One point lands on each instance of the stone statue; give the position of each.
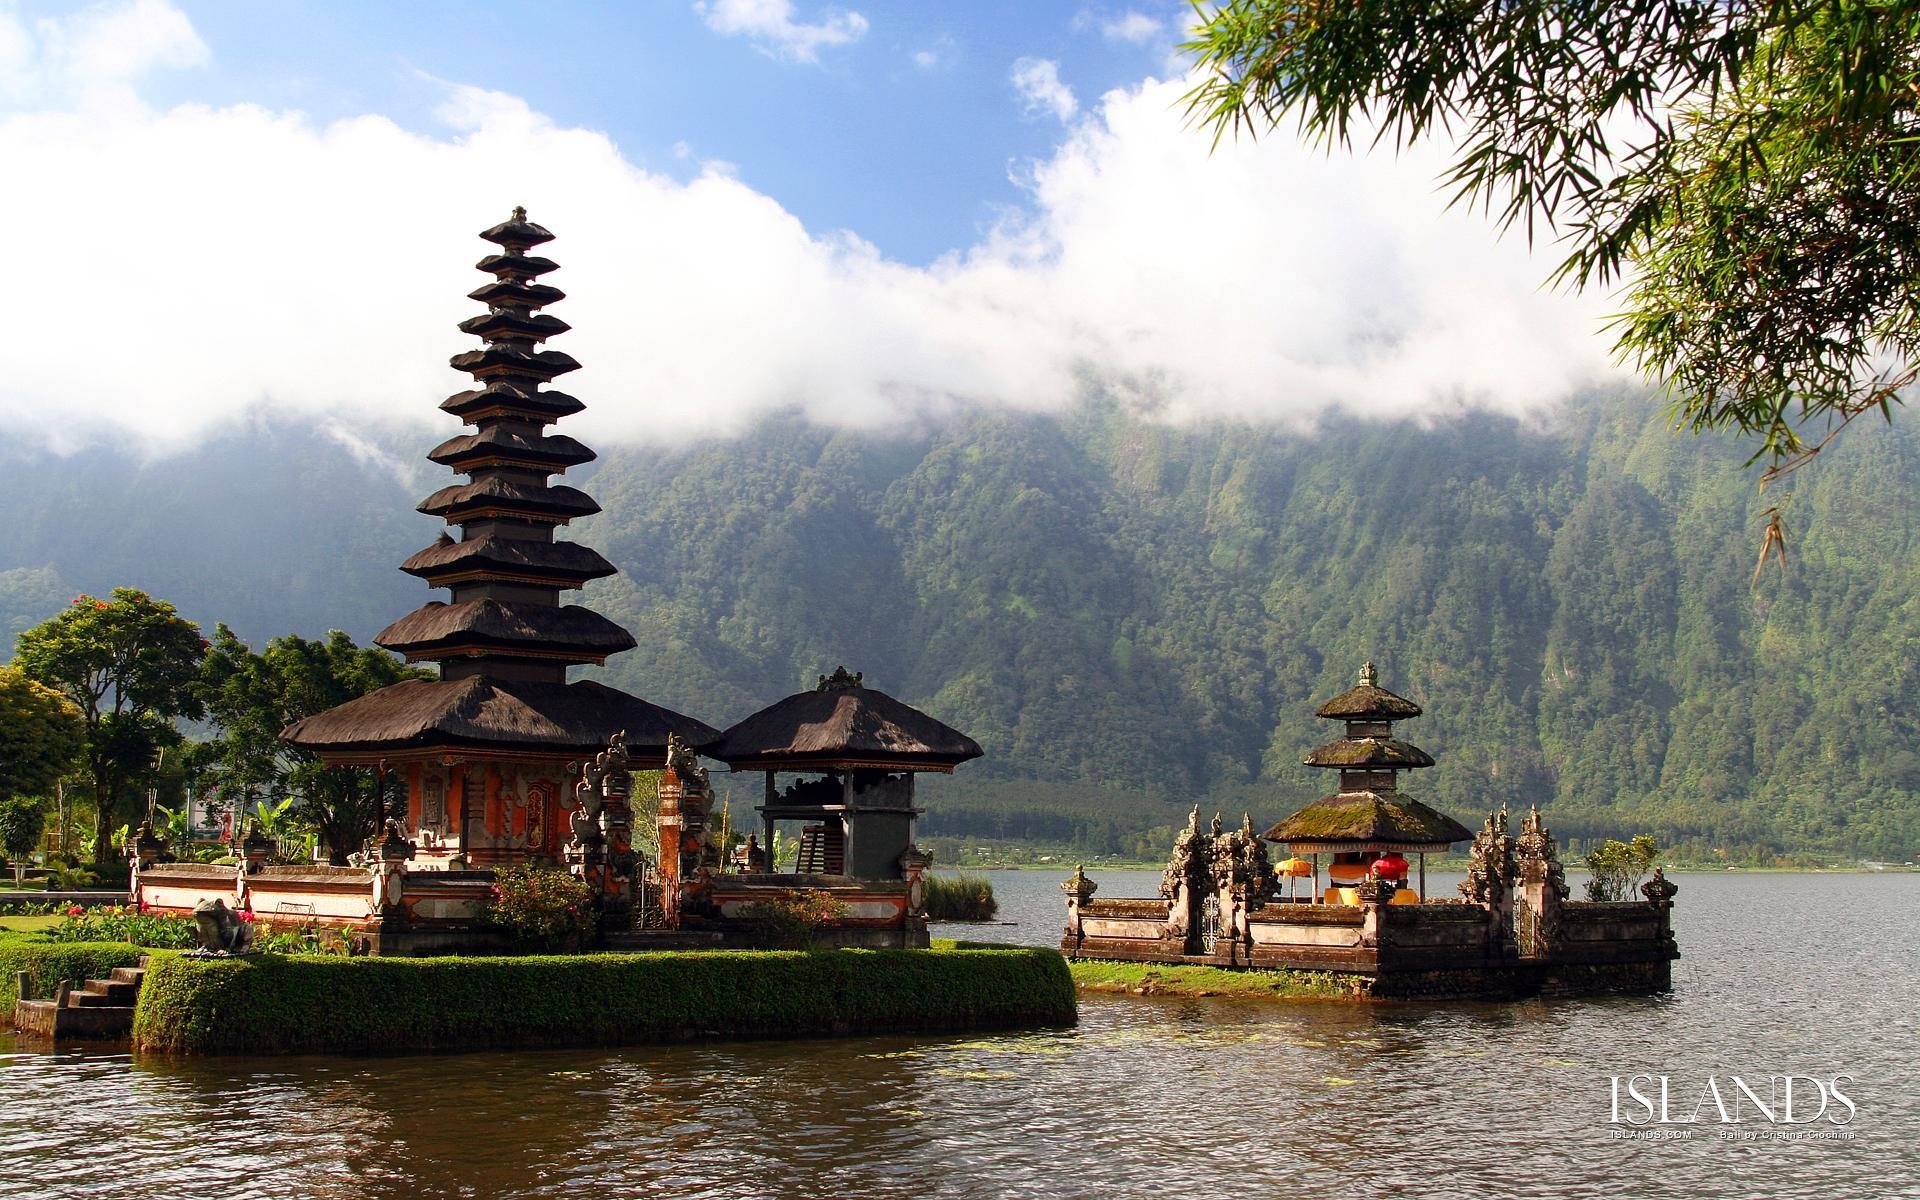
(218, 930)
(683, 762)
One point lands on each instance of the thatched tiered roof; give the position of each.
(841, 724)
(1353, 821)
(1369, 812)
(543, 719)
(506, 641)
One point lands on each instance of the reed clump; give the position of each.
(960, 898)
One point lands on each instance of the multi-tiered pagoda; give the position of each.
(1368, 824)
(485, 749)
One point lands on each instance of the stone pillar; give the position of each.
(1542, 885)
(671, 833)
(1079, 890)
(389, 872)
(913, 868)
(616, 834)
(1491, 875)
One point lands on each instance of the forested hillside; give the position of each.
(1132, 617)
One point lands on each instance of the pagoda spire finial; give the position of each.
(1367, 675)
(519, 212)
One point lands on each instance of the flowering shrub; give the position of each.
(310, 938)
(792, 920)
(542, 909)
(124, 923)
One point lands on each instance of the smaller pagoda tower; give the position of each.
(1369, 816)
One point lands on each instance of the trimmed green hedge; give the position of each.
(47, 963)
(272, 1004)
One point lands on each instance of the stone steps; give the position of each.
(99, 1009)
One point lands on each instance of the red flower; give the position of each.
(247, 916)
(75, 910)
(99, 603)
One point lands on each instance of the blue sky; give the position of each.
(909, 134)
(872, 213)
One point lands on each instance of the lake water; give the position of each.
(1812, 975)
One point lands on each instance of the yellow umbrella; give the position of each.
(1292, 869)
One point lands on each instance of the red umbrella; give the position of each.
(1390, 866)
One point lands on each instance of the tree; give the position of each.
(21, 820)
(252, 697)
(128, 665)
(1746, 170)
(1618, 867)
(41, 733)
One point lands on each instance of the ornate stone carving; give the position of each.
(1491, 869)
(840, 680)
(1539, 856)
(1189, 864)
(1078, 887)
(1658, 890)
(1239, 863)
(1377, 889)
(682, 761)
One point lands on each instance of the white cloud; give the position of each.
(1038, 82)
(1131, 26)
(771, 25)
(942, 53)
(94, 55)
(191, 267)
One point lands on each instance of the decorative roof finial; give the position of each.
(840, 680)
(1367, 676)
(519, 212)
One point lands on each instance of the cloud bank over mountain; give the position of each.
(181, 267)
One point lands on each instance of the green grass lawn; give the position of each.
(1168, 979)
(30, 924)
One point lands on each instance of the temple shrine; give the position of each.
(1368, 826)
(503, 762)
(856, 752)
(1513, 931)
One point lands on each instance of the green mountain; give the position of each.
(1132, 617)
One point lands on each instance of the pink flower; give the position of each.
(247, 916)
(75, 910)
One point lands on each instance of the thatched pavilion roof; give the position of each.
(841, 724)
(1358, 753)
(1353, 821)
(493, 715)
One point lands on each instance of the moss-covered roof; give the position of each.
(1369, 752)
(1368, 702)
(1383, 819)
